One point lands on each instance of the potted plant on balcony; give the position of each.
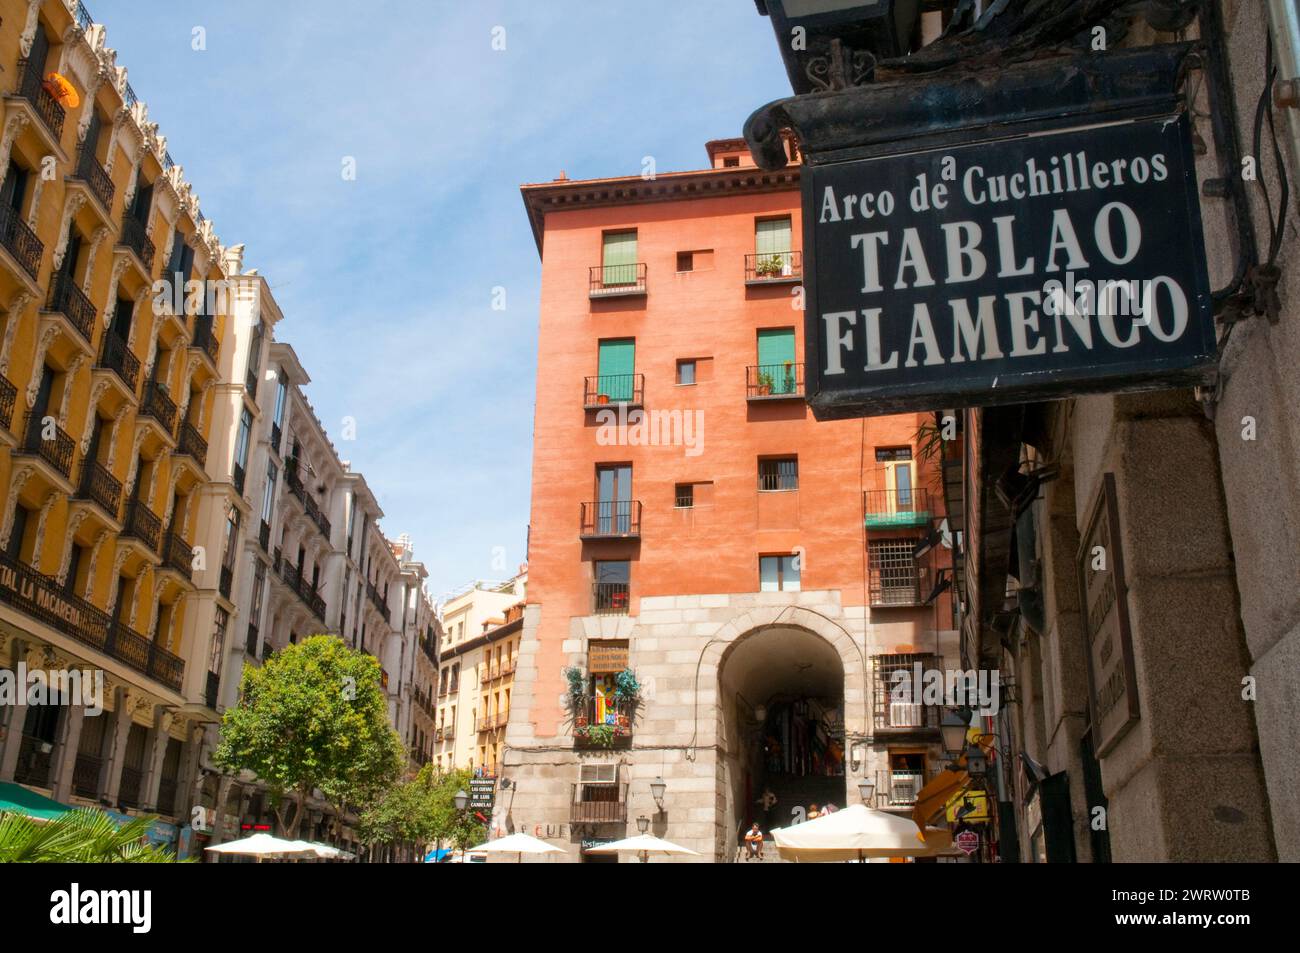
(577, 696)
(764, 384)
(770, 267)
(789, 378)
(602, 398)
(627, 691)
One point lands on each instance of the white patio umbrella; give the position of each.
(643, 844)
(264, 845)
(324, 851)
(516, 844)
(854, 833)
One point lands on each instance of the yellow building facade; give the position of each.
(106, 392)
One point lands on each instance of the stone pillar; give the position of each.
(14, 726)
(155, 751)
(65, 762)
(1185, 782)
(113, 764)
(219, 810)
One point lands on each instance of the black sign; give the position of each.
(1029, 267)
(482, 793)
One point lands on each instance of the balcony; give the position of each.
(42, 598)
(898, 698)
(888, 509)
(226, 581)
(117, 357)
(604, 725)
(301, 494)
(598, 804)
(34, 759)
(610, 598)
(8, 398)
(769, 268)
(97, 180)
(20, 241)
(617, 389)
(774, 381)
(237, 479)
(69, 300)
(178, 555)
(610, 519)
(612, 281)
(898, 788)
(205, 339)
(156, 403)
(56, 450)
(134, 238)
(250, 641)
(143, 524)
(193, 445)
(31, 87)
(100, 487)
(302, 587)
(378, 602)
(264, 537)
(894, 577)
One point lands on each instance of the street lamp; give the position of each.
(657, 788)
(461, 799)
(867, 789)
(977, 762)
(953, 728)
(643, 824)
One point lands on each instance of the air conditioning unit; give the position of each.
(904, 715)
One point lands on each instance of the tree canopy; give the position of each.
(313, 716)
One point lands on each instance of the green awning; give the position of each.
(18, 800)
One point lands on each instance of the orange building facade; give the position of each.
(695, 529)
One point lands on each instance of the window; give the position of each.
(731, 162)
(254, 359)
(772, 236)
(894, 578)
(219, 620)
(232, 532)
(614, 509)
(618, 258)
(778, 473)
(776, 370)
(898, 475)
(684, 496)
(259, 589)
(896, 695)
(778, 573)
(611, 581)
(616, 369)
(241, 449)
(906, 777)
(278, 422)
(685, 261)
(686, 372)
(17, 533)
(268, 498)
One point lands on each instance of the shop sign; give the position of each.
(607, 657)
(1030, 266)
(1112, 675)
(482, 793)
(967, 841)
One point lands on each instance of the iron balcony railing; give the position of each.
(178, 555)
(8, 398)
(34, 758)
(92, 173)
(143, 524)
(20, 241)
(47, 440)
(264, 537)
(31, 87)
(156, 403)
(610, 519)
(191, 442)
(611, 718)
(895, 577)
(765, 267)
(612, 280)
(237, 478)
(226, 581)
(117, 357)
(100, 486)
(308, 501)
(250, 641)
(610, 598)
(309, 594)
(42, 598)
(608, 389)
(773, 381)
(898, 699)
(598, 804)
(205, 339)
(898, 788)
(275, 437)
(70, 301)
(886, 509)
(84, 19)
(378, 601)
(136, 238)
(85, 775)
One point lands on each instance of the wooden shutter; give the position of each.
(616, 367)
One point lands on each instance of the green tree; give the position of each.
(313, 716)
(82, 836)
(403, 814)
(453, 828)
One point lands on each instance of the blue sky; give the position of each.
(386, 281)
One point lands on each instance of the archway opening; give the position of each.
(781, 696)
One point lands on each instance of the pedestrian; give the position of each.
(829, 809)
(814, 813)
(754, 843)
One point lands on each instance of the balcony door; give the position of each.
(776, 359)
(618, 259)
(772, 242)
(899, 479)
(614, 500)
(617, 368)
